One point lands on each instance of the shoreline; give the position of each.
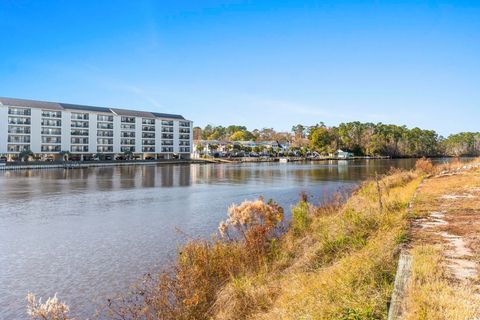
(91, 164)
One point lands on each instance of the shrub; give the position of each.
(424, 165)
(52, 309)
(300, 217)
(190, 288)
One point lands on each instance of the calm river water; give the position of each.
(87, 234)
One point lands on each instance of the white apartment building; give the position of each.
(49, 128)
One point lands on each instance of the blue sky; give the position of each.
(256, 63)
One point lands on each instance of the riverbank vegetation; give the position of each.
(336, 261)
(362, 139)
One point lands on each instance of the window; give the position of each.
(80, 116)
(18, 120)
(167, 142)
(47, 139)
(20, 130)
(53, 131)
(19, 139)
(79, 148)
(148, 149)
(105, 118)
(51, 148)
(148, 128)
(167, 136)
(104, 141)
(148, 121)
(124, 134)
(79, 124)
(128, 119)
(148, 142)
(51, 123)
(104, 149)
(19, 111)
(79, 132)
(167, 123)
(127, 149)
(18, 147)
(148, 135)
(102, 133)
(103, 125)
(127, 126)
(51, 114)
(76, 140)
(127, 141)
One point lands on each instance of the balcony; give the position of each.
(128, 120)
(108, 126)
(51, 140)
(148, 142)
(104, 141)
(184, 137)
(148, 149)
(104, 118)
(148, 135)
(127, 141)
(104, 133)
(79, 140)
(80, 116)
(18, 147)
(148, 121)
(51, 148)
(19, 130)
(124, 134)
(51, 131)
(52, 114)
(19, 112)
(80, 149)
(23, 121)
(127, 149)
(51, 123)
(79, 133)
(148, 128)
(19, 139)
(79, 124)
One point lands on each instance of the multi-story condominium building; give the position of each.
(49, 128)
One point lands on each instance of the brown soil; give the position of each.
(448, 214)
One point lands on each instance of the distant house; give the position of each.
(343, 154)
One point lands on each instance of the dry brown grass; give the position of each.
(424, 165)
(432, 295)
(441, 286)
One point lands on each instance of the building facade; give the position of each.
(49, 129)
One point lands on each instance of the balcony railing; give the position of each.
(19, 112)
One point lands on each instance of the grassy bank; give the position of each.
(333, 261)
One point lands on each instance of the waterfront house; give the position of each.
(343, 154)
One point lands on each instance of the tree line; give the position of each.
(363, 139)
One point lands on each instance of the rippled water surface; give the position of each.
(86, 234)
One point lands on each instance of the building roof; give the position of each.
(67, 106)
(30, 103)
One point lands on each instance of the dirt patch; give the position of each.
(448, 207)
